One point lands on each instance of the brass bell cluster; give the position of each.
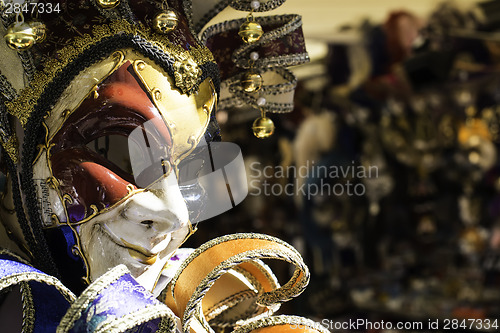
(108, 4)
(163, 23)
(166, 21)
(21, 36)
(263, 127)
(251, 31)
(252, 81)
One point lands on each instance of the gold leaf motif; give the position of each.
(52, 182)
(187, 72)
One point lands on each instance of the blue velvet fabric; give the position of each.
(70, 241)
(50, 305)
(124, 296)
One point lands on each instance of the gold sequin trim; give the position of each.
(88, 295)
(229, 302)
(223, 239)
(271, 300)
(15, 256)
(254, 309)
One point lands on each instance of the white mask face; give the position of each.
(141, 232)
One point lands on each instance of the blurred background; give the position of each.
(386, 175)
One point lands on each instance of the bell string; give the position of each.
(19, 18)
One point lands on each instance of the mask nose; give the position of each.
(161, 206)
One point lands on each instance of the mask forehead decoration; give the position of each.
(103, 118)
(183, 65)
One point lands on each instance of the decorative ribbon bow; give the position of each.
(221, 284)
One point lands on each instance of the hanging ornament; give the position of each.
(40, 31)
(254, 56)
(108, 4)
(251, 81)
(255, 4)
(261, 101)
(250, 31)
(263, 127)
(20, 36)
(165, 21)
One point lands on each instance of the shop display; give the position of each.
(416, 100)
(107, 127)
(382, 172)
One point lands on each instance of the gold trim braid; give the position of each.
(214, 259)
(28, 308)
(283, 324)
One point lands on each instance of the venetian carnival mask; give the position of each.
(112, 152)
(109, 168)
(107, 125)
(107, 173)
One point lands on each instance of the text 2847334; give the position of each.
(11, 7)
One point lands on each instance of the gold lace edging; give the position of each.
(140, 317)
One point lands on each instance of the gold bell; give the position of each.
(40, 31)
(108, 4)
(263, 127)
(20, 36)
(165, 22)
(251, 82)
(250, 31)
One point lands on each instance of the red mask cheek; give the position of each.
(85, 177)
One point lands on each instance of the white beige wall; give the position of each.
(322, 17)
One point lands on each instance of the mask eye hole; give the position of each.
(114, 149)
